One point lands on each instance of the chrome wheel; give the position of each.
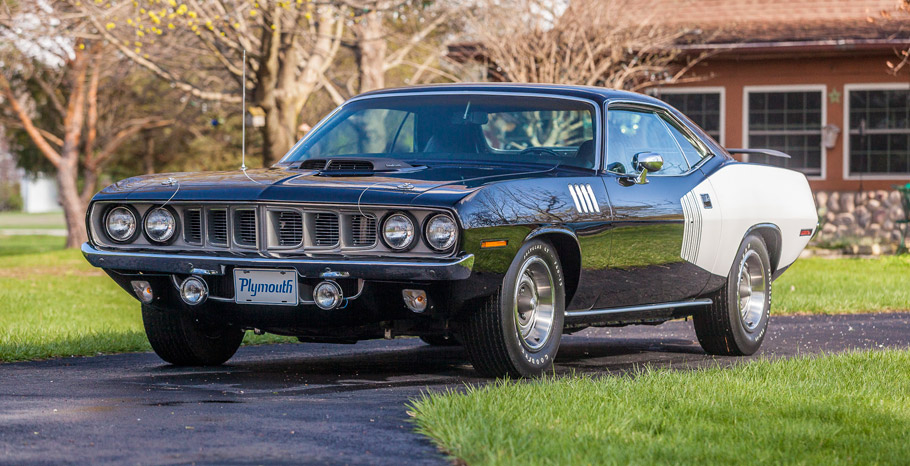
(534, 303)
(750, 290)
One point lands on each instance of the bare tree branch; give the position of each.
(37, 136)
(161, 72)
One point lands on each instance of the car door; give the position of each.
(648, 263)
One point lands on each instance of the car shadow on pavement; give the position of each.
(293, 370)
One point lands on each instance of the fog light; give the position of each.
(415, 300)
(193, 291)
(327, 295)
(143, 291)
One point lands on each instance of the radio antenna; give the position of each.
(243, 123)
(243, 117)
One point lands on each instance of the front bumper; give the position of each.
(380, 269)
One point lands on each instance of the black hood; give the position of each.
(283, 184)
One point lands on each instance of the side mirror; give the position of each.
(648, 161)
(645, 162)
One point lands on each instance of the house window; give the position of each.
(879, 131)
(703, 108)
(788, 121)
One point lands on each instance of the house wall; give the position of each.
(833, 71)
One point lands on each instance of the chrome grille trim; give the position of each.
(289, 228)
(217, 227)
(325, 228)
(245, 228)
(363, 230)
(192, 226)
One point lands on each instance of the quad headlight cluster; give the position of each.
(122, 224)
(400, 232)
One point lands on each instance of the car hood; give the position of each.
(423, 185)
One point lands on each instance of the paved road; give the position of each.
(312, 403)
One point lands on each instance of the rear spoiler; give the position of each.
(771, 152)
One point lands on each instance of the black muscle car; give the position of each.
(498, 217)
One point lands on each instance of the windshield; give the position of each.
(481, 128)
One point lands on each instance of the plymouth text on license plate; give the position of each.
(257, 286)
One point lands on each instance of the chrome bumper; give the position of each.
(426, 270)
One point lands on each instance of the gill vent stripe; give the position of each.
(584, 198)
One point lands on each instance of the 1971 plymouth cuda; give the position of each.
(498, 217)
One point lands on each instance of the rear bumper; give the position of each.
(380, 269)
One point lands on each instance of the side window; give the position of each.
(691, 148)
(631, 132)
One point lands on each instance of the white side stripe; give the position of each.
(575, 198)
(593, 197)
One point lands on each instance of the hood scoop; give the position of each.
(355, 166)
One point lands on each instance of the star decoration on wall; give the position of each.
(834, 96)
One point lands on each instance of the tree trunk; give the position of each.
(277, 134)
(148, 159)
(371, 51)
(73, 209)
(89, 184)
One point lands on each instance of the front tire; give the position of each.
(737, 321)
(181, 340)
(516, 332)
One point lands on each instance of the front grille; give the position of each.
(350, 165)
(278, 229)
(363, 230)
(289, 228)
(192, 231)
(245, 227)
(325, 231)
(218, 228)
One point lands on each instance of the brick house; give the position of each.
(809, 78)
(806, 77)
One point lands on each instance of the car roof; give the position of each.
(597, 94)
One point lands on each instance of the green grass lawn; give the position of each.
(31, 244)
(832, 286)
(52, 303)
(851, 408)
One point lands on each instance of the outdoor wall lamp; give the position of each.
(829, 135)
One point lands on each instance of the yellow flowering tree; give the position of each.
(198, 47)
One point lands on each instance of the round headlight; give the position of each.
(441, 232)
(160, 225)
(120, 224)
(398, 231)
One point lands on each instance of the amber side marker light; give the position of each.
(805, 232)
(500, 243)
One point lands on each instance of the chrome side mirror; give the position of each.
(645, 162)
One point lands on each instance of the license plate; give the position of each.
(258, 286)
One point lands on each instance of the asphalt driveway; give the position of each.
(317, 404)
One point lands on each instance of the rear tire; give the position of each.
(181, 340)
(737, 321)
(516, 332)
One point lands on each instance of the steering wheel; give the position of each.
(539, 150)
